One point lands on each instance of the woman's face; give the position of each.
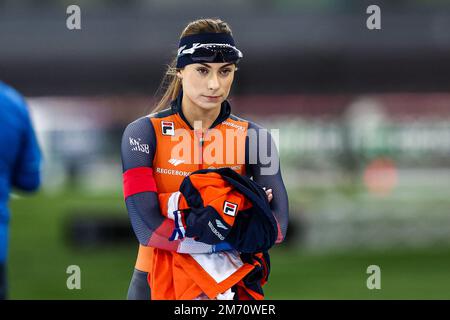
(207, 85)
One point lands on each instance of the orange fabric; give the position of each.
(246, 293)
(185, 145)
(144, 258)
(178, 276)
(203, 280)
(189, 281)
(163, 199)
(215, 191)
(266, 271)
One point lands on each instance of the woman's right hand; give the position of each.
(268, 193)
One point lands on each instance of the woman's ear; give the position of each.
(179, 75)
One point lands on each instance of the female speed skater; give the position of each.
(189, 257)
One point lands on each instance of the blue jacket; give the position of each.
(20, 156)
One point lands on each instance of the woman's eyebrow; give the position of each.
(229, 64)
(208, 66)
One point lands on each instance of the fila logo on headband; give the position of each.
(230, 208)
(168, 128)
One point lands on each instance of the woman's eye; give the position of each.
(225, 72)
(202, 70)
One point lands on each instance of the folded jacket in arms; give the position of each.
(215, 205)
(227, 210)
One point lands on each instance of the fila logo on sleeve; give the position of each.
(168, 128)
(230, 208)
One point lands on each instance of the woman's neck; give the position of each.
(194, 113)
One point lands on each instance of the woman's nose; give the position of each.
(213, 82)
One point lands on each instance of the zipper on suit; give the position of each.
(201, 150)
(200, 137)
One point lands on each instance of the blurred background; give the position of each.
(364, 137)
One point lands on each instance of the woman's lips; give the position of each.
(212, 98)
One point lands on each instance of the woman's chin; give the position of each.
(208, 105)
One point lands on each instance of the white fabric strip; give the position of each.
(189, 245)
(172, 204)
(227, 295)
(219, 265)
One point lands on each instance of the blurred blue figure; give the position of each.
(20, 159)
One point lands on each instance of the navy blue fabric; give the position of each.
(143, 208)
(255, 229)
(139, 288)
(274, 181)
(188, 42)
(3, 283)
(253, 279)
(202, 225)
(206, 37)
